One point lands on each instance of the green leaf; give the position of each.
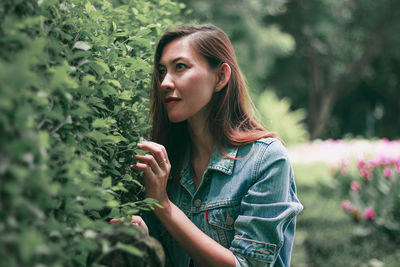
(115, 83)
(89, 8)
(133, 211)
(100, 123)
(130, 249)
(87, 79)
(120, 34)
(112, 203)
(125, 95)
(107, 182)
(82, 46)
(94, 204)
(100, 67)
(43, 139)
(115, 213)
(119, 187)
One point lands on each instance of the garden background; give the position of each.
(74, 95)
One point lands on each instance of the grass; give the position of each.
(326, 236)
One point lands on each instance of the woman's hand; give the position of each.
(135, 221)
(156, 168)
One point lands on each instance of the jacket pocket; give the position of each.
(221, 222)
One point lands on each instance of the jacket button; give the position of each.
(229, 220)
(197, 203)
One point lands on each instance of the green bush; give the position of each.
(278, 118)
(75, 79)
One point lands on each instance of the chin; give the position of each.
(175, 119)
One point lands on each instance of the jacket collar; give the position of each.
(223, 159)
(218, 162)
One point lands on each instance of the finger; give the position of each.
(145, 168)
(116, 220)
(138, 221)
(158, 150)
(150, 160)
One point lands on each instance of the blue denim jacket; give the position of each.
(247, 204)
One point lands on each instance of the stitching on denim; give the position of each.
(267, 140)
(263, 251)
(223, 203)
(221, 226)
(247, 256)
(259, 242)
(255, 241)
(257, 165)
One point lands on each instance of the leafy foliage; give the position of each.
(256, 44)
(278, 117)
(74, 103)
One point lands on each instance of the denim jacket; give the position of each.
(246, 202)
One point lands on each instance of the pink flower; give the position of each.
(361, 164)
(365, 173)
(363, 169)
(387, 172)
(355, 186)
(373, 163)
(346, 205)
(369, 213)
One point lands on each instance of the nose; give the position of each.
(167, 83)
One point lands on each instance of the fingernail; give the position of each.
(133, 166)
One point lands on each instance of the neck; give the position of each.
(201, 139)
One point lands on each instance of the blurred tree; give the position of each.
(257, 44)
(343, 69)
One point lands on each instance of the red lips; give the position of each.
(170, 101)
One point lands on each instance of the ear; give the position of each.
(223, 76)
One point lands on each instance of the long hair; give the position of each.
(231, 118)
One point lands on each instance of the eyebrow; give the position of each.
(175, 60)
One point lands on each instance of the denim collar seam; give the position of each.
(223, 164)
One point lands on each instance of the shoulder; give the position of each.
(261, 149)
(269, 156)
(269, 147)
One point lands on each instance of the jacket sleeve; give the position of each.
(264, 229)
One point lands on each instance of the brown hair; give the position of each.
(231, 116)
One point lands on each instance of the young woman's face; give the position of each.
(187, 81)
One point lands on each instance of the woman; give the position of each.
(225, 182)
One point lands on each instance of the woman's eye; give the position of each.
(180, 66)
(161, 73)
